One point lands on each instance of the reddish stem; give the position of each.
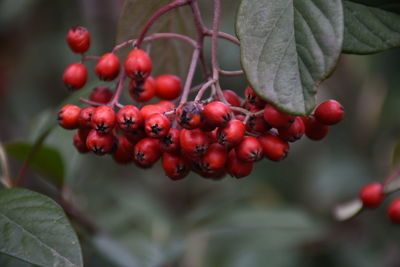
(120, 86)
(189, 78)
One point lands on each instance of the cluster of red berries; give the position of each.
(373, 194)
(224, 134)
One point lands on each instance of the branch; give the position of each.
(223, 35)
(189, 77)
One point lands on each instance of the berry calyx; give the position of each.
(231, 134)
(107, 67)
(372, 195)
(249, 150)
(142, 90)
(193, 142)
(85, 117)
(294, 132)
(129, 118)
(214, 159)
(68, 117)
(138, 65)
(104, 119)
(252, 98)
(170, 142)
(157, 125)
(168, 86)
(236, 167)
(100, 144)
(329, 112)
(175, 166)
(147, 152)
(78, 39)
(189, 115)
(75, 76)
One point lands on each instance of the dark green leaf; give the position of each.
(47, 161)
(35, 229)
(370, 28)
(288, 47)
(389, 5)
(170, 56)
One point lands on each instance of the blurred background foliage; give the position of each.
(278, 216)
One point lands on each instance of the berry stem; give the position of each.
(115, 99)
(203, 89)
(88, 58)
(231, 73)
(223, 35)
(190, 75)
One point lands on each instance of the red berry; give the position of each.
(257, 125)
(217, 113)
(274, 148)
(157, 125)
(166, 105)
(175, 166)
(138, 65)
(100, 144)
(314, 129)
(189, 115)
(135, 135)
(85, 117)
(129, 118)
(107, 67)
(214, 159)
(294, 132)
(75, 76)
(237, 168)
(104, 119)
(143, 90)
(249, 150)
(80, 143)
(170, 142)
(276, 118)
(101, 94)
(147, 152)
(372, 195)
(194, 143)
(252, 98)
(149, 110)
(78, 39)
(231, 134)
(329, 112)
(68, 117)
(232, 98)
(124, 152)
(393, 211)
(168, 86)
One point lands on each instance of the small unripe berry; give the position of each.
(393, 211)
(189, 115)
(100, 144)
(75, 76)
(329, 112)
(101, 94)
(143, 90)
(168, 86)
(104, 119)
(372, 195)
(68, 117)
(249, 150)
(129, 118)
(147, 152)
(138, 65)
(78, 39)
(175, 166)
(274, 148)
(157, 126)
(277, 118)
(107, 67)
(236, 167)
(217, 113)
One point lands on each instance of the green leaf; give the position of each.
(288, 47)
(170, 56)
(35, 229)
(47, 160)
(371, 26)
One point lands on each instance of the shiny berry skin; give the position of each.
(274, 148)
(149, 110)
(217, 113)
(85, 117)
(107, 67)
(189, 115)
(170, 142)
(101, 94)
(214, 159)
(138, 65)
(372, 195)
(231, 134)
(142, 91)
(129, 118)
(100, 144)
(124, 152)
(194, 143)
(68, 117)
(276, 118)
(175, 166)
(166, 105)
(393, 211)
(104, 119)
(329, 112)
(75, 76)
(157, 125)
(252, 98)
(79, 142)
(249, 150)
(314, 129)
(236, 167)
(294, 132)
(232, 98)
(78, 39)
(168, 86)
(147, 152)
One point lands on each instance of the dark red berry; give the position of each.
(78, 39)
(236, 167)
(147, 152)
(157, 125)
(329, 112)
(135, 135)
(142, 90)
(231, 134)
(274, 148)
(101, 94)
(314, 129)
(80, 143)
(393, 211)
(138, 65)
(194, 143)
(217, 113)
(104, 119)
(232, 98)
(372, 195)
(170, 142)
(214, 159)
(168, 86)
(149, 110)
(175, 166)
(129, 118)
(124, 152)
(85, 117)
(68, 117)
(189, 115)
(276, 118)
(252, 98)
(75, 76)
(107, 67)
(100, 144)
(294, 132)
(249, 150)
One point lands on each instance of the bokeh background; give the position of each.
(278, 216)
